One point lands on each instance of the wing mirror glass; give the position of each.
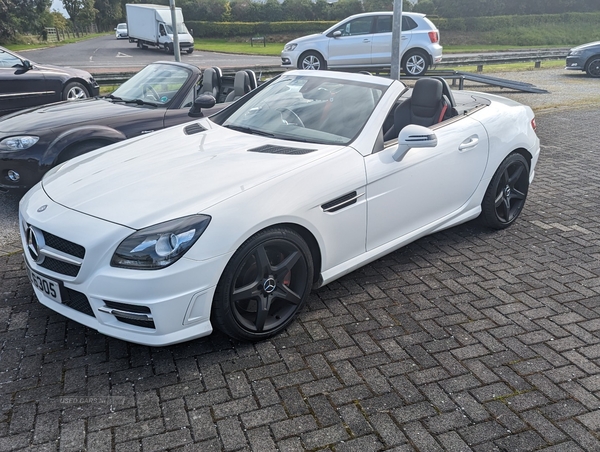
(202, 101)
(414, 136)
(26, 64)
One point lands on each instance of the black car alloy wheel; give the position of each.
(507, 192)
(264, 285)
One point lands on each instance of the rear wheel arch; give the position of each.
(416, 52)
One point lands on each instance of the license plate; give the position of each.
(49, 287)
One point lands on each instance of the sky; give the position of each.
(58, 6)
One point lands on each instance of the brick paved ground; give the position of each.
(465, 340)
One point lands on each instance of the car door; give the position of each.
(20, 87)
(382, 38)
(427, 185)
(353, 47)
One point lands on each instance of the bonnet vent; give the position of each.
(193, 128)
(272, 149)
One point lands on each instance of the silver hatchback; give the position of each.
(364, 41)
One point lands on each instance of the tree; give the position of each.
(81, 12)
(110, 13)
(297, 10)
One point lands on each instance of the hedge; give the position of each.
(504, 22)
(203, 29)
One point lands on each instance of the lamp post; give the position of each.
(396, 40)
(175, 32)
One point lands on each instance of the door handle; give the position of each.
(469, 143)
(366, 40)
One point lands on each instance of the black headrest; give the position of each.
(241, 82)
(427, 92)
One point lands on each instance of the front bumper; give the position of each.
(575, 63)
(21, 170)
(149, 307)
(290, 58)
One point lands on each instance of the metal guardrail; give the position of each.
(449, 60)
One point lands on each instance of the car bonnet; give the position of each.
(169, 174)
(64, 115)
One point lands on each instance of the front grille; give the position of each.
(61, 267)
(78, 301)
(54, 253)
(64, 245)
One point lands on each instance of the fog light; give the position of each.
(13, 175)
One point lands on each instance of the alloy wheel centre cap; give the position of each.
(269, 285)
(507, 192)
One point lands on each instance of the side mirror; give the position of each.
(26, 64)
(115, 29)
(202, 101)
(414, 136)
(337, 34)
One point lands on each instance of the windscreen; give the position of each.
(308, 109)
(157, 83)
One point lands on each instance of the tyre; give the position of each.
(415, 62)
(264, 285)
(169, 48)
(593, 67)
(191, 50)
(505, 196)
(312, 61)
(80, 149)
(75, 91)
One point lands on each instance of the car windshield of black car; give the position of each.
(156, 84)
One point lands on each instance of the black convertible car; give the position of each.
(161, 95)
(26, 84)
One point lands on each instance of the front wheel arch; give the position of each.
(80, 148)
(315, 53)
(595, 61)
(264, 285)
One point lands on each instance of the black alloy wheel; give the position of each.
(264, 285)
(593, 67)
(507, 192)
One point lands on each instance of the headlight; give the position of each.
(290, 47)
(574, 52)
(160, 245)
(18, 143)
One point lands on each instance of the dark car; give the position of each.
(163, 94)
(24, 83)
(586, 58)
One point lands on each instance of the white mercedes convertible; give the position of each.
(229, 221)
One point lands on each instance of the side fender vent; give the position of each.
(193, 128)
(341, 202)
(272, 149)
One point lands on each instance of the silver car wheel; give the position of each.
(311, 62)
(75, 91)
(415, 64)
